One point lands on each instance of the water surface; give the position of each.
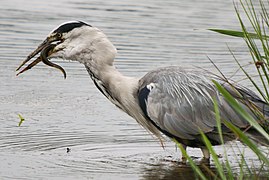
(105, 143)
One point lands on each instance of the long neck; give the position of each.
(119, 89)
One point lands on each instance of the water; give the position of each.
(105, 143)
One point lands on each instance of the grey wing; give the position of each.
(180, 103)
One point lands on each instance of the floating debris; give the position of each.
(21, 119)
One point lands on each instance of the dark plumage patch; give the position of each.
(143, 97)
(70, 26)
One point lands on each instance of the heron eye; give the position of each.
(59, 35)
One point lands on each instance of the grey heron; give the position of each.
(171, 100)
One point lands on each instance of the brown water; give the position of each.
(105, 143)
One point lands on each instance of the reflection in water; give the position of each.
(59, 114)
(175, 171)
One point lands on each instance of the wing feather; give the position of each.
(181, 102)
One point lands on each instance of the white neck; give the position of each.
(97, 53)
(121, 91)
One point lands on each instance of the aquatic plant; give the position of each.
(258, 45)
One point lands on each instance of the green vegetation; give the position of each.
(21, 120)
(257, 42)
(258, 45)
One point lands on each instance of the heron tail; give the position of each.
(254, 135)
(258, 138)
(263, 107)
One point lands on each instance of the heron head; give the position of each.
(73, 40)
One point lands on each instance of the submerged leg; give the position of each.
(183, 158)
(206, 157)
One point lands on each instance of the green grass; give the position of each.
(256, 40)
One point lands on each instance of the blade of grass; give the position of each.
(218, 119)
(214, 156)
(240, 110)
(258, 29)
(234, 33)
(217, 114)
(241, 165)
(251, 79)
(228, 168)
(254, 50)
(244, 162)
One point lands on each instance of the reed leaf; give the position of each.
(218, 165)
(236, 33)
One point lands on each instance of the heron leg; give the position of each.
(206, 153)
(183, 158)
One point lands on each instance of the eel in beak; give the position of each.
(46, 48)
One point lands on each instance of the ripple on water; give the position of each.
(105, 143)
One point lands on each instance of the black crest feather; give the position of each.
(70, 26)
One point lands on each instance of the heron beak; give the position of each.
(46, 48)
